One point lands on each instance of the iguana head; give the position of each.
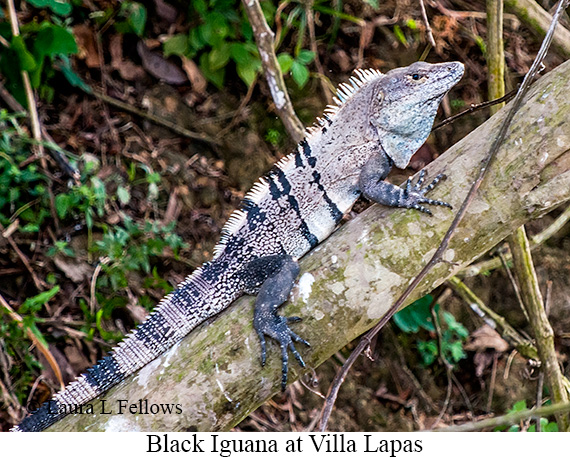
(405, 105)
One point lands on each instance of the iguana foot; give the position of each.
(277, 276)
(276, 327)
(411, 196)
(414, 196)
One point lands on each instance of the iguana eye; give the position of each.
(416, 77)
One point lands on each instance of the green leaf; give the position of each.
(456, 327)
(240, 54)
(518, 406)
(300, 74)
(372, 3)
(34, 304)
(73, 78)
(411, 24)
(219, 56)
(550, 427)
(215, 77)
(305, 56)
(247, 73)
(59, 7)
(215, 28)
(136, 16)
(456, 350)
(26, 59)
(53, 40)
(176, 45)
(123, 195)
(416, 316)
(36, 331)
(200, 6)
(63, 204)
(285, 62)
(428, 350)
(400, 35)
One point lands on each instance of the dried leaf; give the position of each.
(87, 46)
(159, 67)
(486, 338)
(74, 269)
(195, 76)
(127, 69)
(166, 11)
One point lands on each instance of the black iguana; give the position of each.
(379, 120)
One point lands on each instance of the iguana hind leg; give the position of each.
(279, 273)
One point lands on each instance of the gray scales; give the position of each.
(379, 120)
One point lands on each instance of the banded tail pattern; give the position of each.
(176, 315)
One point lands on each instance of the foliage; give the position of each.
(131, 247)
(545, 424)
(418, 316)
(127, 247)
(37, 50)
(297, 66)
(224, 35)
(132, 18)
(220, 36)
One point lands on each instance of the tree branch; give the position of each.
(264, 37)
(538, 20)
(350, 281)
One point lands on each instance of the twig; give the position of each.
(437, 256)
(313, 42)
(154, 118)
(39, 344)
(32, 107)
(509, 419)
(428, 27)
(476, 107)
(495, 52)
(264, 37)
(538, 320)
(492, 382)
(539, 387)
(93, 287)
(536, 240)
(491, 318)
(512, 281)
(40, 285)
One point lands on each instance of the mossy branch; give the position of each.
(349, 281)
(538, 20)
(538, 320)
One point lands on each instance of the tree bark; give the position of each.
(348, 282)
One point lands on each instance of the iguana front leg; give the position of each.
(372, 185)
(272, 278)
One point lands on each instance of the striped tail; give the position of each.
(194, 301)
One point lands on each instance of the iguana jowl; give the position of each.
(380, 120)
